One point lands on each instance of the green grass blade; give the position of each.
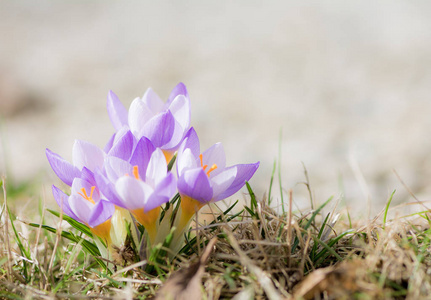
(172, 161)
(328, 249)
(322, 228)
(279, 174)
(387, 208)
(75, 224)
(24, 252)
(271, 182)
(310, 221)
(190, 243)
(253, 201)
(323, 253)
(92, 248)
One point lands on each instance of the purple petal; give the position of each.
(195, 184)
(223, 180)
(116, 110)
(63, 169)
(244, 173)
(168, 186)
(123, 147)
(102, 211)
(141, 155)
(63, 201)
(109, 144)
(116, 167)
(79, 184)
(191, 141)
(177, 137)
(87, 155)
(154, 201)
(87, 175)
(159, 129)
(81, 208)
(179, 89)
(107, 188)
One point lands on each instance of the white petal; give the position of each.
(223, 180)
(214, 155)
(180, 109)
(186, 161)
(80, 207)
(177, 137)
(134, 193)
(139, 114)
(87, 155)
(157, 168)
(116, 167)
(153, 101)
(78, 184)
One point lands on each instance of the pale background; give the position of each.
(349, 83)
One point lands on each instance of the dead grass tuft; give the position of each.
(259, 255)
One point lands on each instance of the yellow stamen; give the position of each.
(202, 164)
(85, 196)
(213, 167)
(136, 172)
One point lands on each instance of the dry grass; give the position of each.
(259, 255)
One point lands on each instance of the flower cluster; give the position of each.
(130, 180)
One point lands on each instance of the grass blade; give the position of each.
(310, 221)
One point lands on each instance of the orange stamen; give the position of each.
(202, 164)
(85, 196)
(213, 167)
(136, 172)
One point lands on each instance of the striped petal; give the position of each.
(62, 168)
(116, 111)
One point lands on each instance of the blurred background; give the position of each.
(347, 84)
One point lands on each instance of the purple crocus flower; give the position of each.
(85, 154)
(85, 204)
(140, 185)
(204, 178)
(164, 124)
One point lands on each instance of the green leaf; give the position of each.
(322, 228)
(271, 182)
(88, 246)
(190, 243)
(172, 161)
(310, 221)
(321, 255)
(75, 224)
(387, 208)
(253, 202)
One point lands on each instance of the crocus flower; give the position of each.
(140, 185)
(86, 205)
(204, 178)
(164, 124)
(85, 154)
